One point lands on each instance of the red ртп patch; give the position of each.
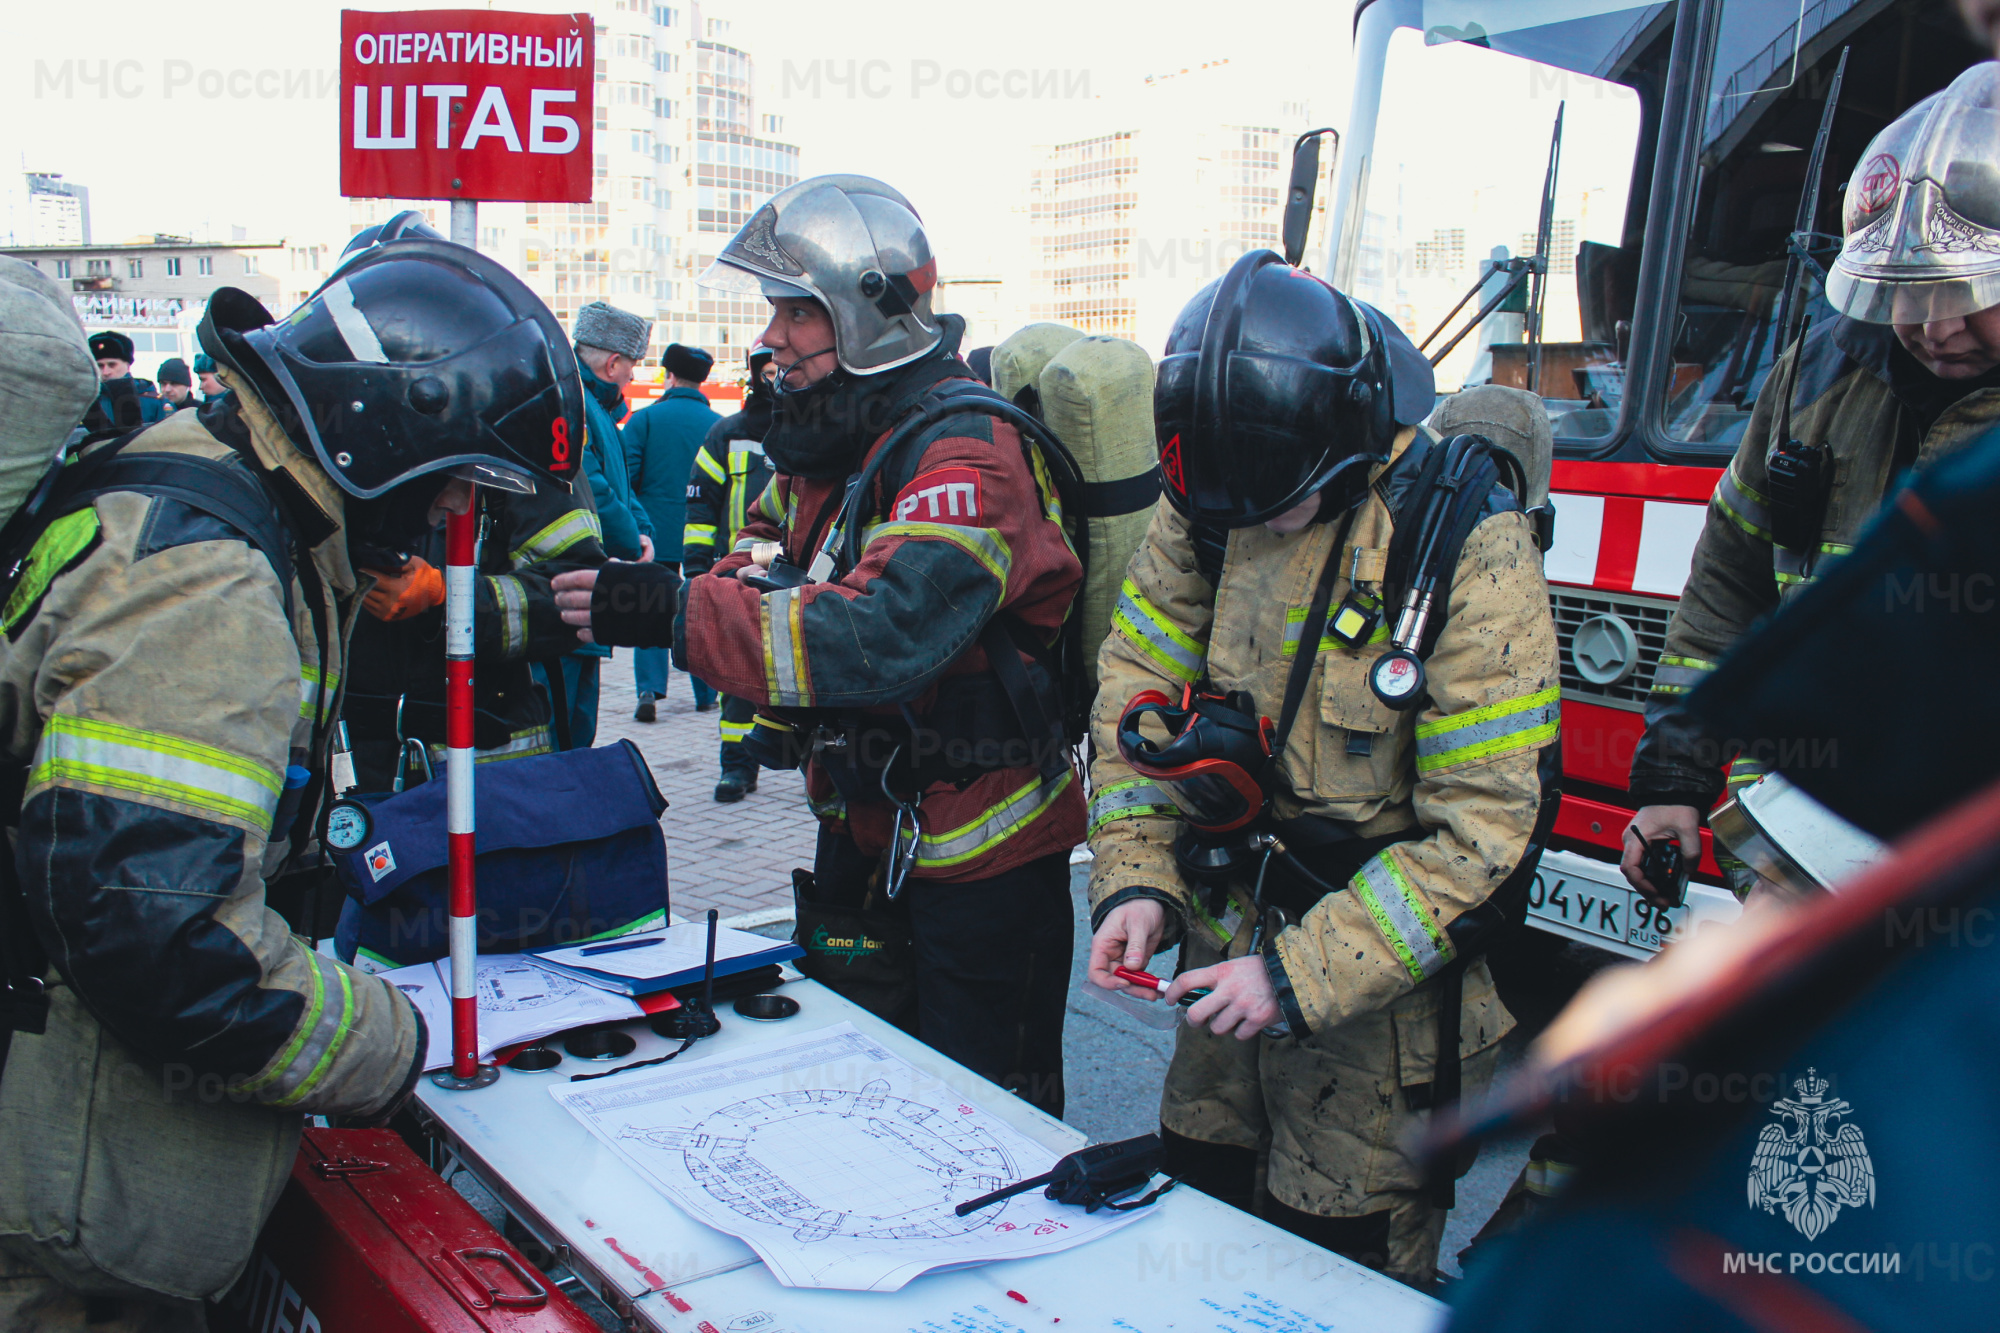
(948, 495)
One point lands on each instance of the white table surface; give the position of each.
(1193, 1265)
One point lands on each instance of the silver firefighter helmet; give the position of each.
(854, 245)
(1922, 214)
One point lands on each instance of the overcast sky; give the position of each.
(161, 158)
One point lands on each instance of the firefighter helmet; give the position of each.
(416, 357)
(1276, 387)
(857, 247)
(1923, 211)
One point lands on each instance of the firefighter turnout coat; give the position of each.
(730, 472)
(155, 693)
(1879, 413)
(525, 541)
(975, 531)
(1458, 776)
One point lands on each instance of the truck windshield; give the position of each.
(1766, 90)
(1444, 185)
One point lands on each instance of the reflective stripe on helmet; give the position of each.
(1406, 924)
(1158, 637)
(1480, 734)
(355, 330)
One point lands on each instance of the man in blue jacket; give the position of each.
(609, 344)
(660, 445)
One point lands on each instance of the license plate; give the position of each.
(1590, 901)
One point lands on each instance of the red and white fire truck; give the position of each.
(1685, 132)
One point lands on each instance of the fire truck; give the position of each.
(1651, 159)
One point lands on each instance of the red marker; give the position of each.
(1138, 978)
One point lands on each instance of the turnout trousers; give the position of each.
(988, 965)
(1328, 1118)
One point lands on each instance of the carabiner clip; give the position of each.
(904, 834)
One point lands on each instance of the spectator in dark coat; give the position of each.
(660, 445)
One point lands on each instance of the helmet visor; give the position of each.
(725, 276)
(1292, 427)
(495, 476)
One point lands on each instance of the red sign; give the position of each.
(466, 104)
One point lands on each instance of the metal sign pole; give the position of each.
(461, 533)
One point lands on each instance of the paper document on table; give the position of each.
(834, 1159)
(678, 950)
(517, 1002)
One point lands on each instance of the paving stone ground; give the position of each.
(736, 858)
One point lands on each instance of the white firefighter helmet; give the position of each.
(1922, 214)
(854, 245)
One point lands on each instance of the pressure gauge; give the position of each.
(348, 825)
(1397, 678)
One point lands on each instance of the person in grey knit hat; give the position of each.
(609, 346)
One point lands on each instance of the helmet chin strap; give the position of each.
(779, 388)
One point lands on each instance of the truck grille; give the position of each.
(1648, 617)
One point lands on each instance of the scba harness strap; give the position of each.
(1437, 496)
(231, 494)
(1043, 703)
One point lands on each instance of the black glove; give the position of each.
(632, 606)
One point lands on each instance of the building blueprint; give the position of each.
(834, 1159)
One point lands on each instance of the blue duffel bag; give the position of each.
(569, 848)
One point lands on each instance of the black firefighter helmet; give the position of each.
(417, 356)
(1276, 387)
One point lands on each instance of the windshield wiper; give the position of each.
(1518, 271)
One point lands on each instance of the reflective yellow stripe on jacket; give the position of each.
(1157, 637)
(1414, 935)
(985, 545)
(786, 675)
(1746, 507)
(1678, 675)
(698, 534)
(1480, 734)
(312, 687)
(156, 768)
(510, 602)
(1134, 798)
(705, 460)
(558, 537)
(981, 835)
(1295, 625)
(302, 1065)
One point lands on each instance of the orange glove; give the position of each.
(416, 590)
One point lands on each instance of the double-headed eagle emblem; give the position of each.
(1812, 1163)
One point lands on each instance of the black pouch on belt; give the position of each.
(863, 951)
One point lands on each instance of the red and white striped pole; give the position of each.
(460, 538)
(461, 543)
